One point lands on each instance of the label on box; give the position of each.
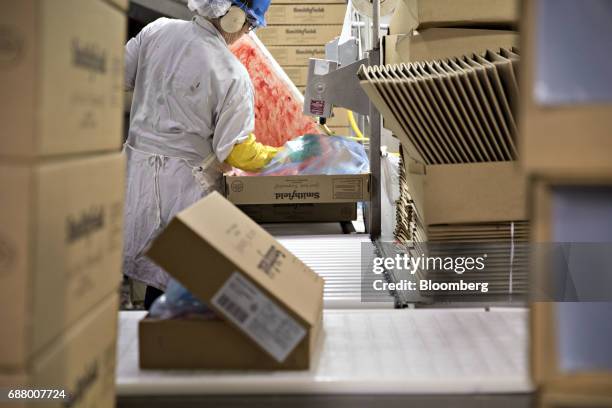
(259, 317)
(347, 189)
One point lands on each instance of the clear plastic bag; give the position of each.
(177, 303)
(319, 154)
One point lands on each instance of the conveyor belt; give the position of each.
(427, 358)
(337, 258)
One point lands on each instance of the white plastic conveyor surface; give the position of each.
(337, 258)
(367, 352)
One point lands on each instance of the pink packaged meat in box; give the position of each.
(278, 103)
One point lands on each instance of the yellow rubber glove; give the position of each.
(251, 155)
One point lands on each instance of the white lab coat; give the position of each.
(193, 101)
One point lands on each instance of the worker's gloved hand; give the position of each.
(251, 155)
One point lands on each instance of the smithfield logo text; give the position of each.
(89, 57)
(84, 224)
(294, 195)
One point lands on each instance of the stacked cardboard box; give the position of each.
(448, 93)
(466, 209)
(449, 28)
(565, 144)
(298, 31)
(62, 188)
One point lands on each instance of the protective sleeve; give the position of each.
(132, 49)
(132, 52)
(235, 118)
(251, 155)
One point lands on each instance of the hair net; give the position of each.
(209, 8)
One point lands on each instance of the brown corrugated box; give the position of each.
(312, 2)
(61, 236)
(564, 389)
(306, 14)
(272, 213)
(412, 14)
(339, 120)
(270, 302)
(559, 139)
(298, 55)
(341, 130)
(295, 34)
(474, 192)
(297, 189)
(563, 399)
(61, 77)
(122, 4)
(299, 75)
(80, 362)
(440, 43)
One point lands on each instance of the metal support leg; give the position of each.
(374, 208)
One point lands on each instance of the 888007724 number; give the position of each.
(34, 394)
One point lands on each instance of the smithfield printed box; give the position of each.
(271, 213)
(306, 14)
(79, 367)
(61, 75)
(270, 302)
(296, 55)
(299, 75)
(297, 34)
(61, 241)
(297, 189)
(122, 4)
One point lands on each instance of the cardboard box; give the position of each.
(61, 242)
(339, 120)
(62, 71)
(299, 34)
(296, 56)
(270, 301)
(546, 371)
(561, 399)
(299, 75)
(297, 189)
(341, 130)
(412, 14)
(441, 43)
(306, 14)
(313, 2)
(122, 4)
(271, 213)
(178, 344)
(559, 139)
(414, 177)
(475, 192)
(81, 362)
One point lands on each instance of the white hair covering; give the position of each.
(209, 8)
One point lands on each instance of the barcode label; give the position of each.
(258, 316)
(232, 308)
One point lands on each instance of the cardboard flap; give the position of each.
(237, 244)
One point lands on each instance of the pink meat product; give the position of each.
(278, 113)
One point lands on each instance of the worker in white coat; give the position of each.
(192, 112)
